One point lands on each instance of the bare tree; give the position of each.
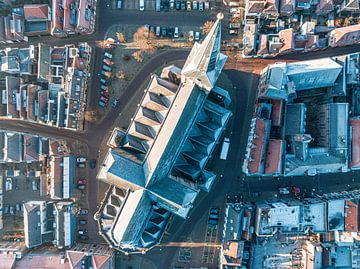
(207, 26)
(120, 37)
(143, 38)
(138, 56)
(121, 75)
(90, 116)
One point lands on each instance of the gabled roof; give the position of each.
(100, 261)
(36, 12)
(75, 258)
(324, 7)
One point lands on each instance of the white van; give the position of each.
(142, 5)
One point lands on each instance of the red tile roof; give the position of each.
(345, 35)
(36, 12)
(351, 216)
(355, 143)
(276, 112)
(274, 159)
(286, 7)
(287, 38)
(263, 44)
(257, 152)
(246, 233)
(256, 6)
(75, 259)
(100, 261)
(312, 42)
(324, 7)
(57, 13)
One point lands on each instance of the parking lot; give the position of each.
(168, 5)
(17, 190)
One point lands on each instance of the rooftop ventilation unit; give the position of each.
(73, 52)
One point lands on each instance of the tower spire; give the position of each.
(205, 61)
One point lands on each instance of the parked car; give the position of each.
(106, 68)
(177, 5)
(188, 5)
(172, 4)
(8, 185)
(207, 5)
(18, 207)
(194, 5)
(183, 6)
(107, 62)
(34, 185)
(158, 31)
(197, 36)
(104, 81)
(108, 55)
(105, 93)
(214, 210)
(233, 32)
(201, 6)
(81, 165)
(170, 32)
(102, 104)
(82, 222)
(235, 10)
(176, 32)
(191, 36)
(104, 87)
(11, 210)
(212, 223)
(214, 216)
(106, 74)
(83, 237)
(82, 232)
(255, 194)
(6, 209)
(119, 4)
(92, 163)
(284, 190)
(152, 29)
(81, 181)
(83, 211)
(142, 5)
(81, 187)
(104, 99)
(114, 103)
(81, 159)
(163, 31)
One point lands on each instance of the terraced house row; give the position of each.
(61, 19)
(45, 84)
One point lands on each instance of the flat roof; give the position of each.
(336, 215)
(288, 216)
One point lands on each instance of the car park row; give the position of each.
(105, 79)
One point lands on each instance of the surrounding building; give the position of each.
(18, 147)
(49, 222)
(58, 97)
(301, 124)
(318, 232)
(70, 17)
(37, 19)
(158, 166)
(278, 27)
(79, 256)
(12, 28)
(236, 244)
(62, 173)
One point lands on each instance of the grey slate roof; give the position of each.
(295, 119)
